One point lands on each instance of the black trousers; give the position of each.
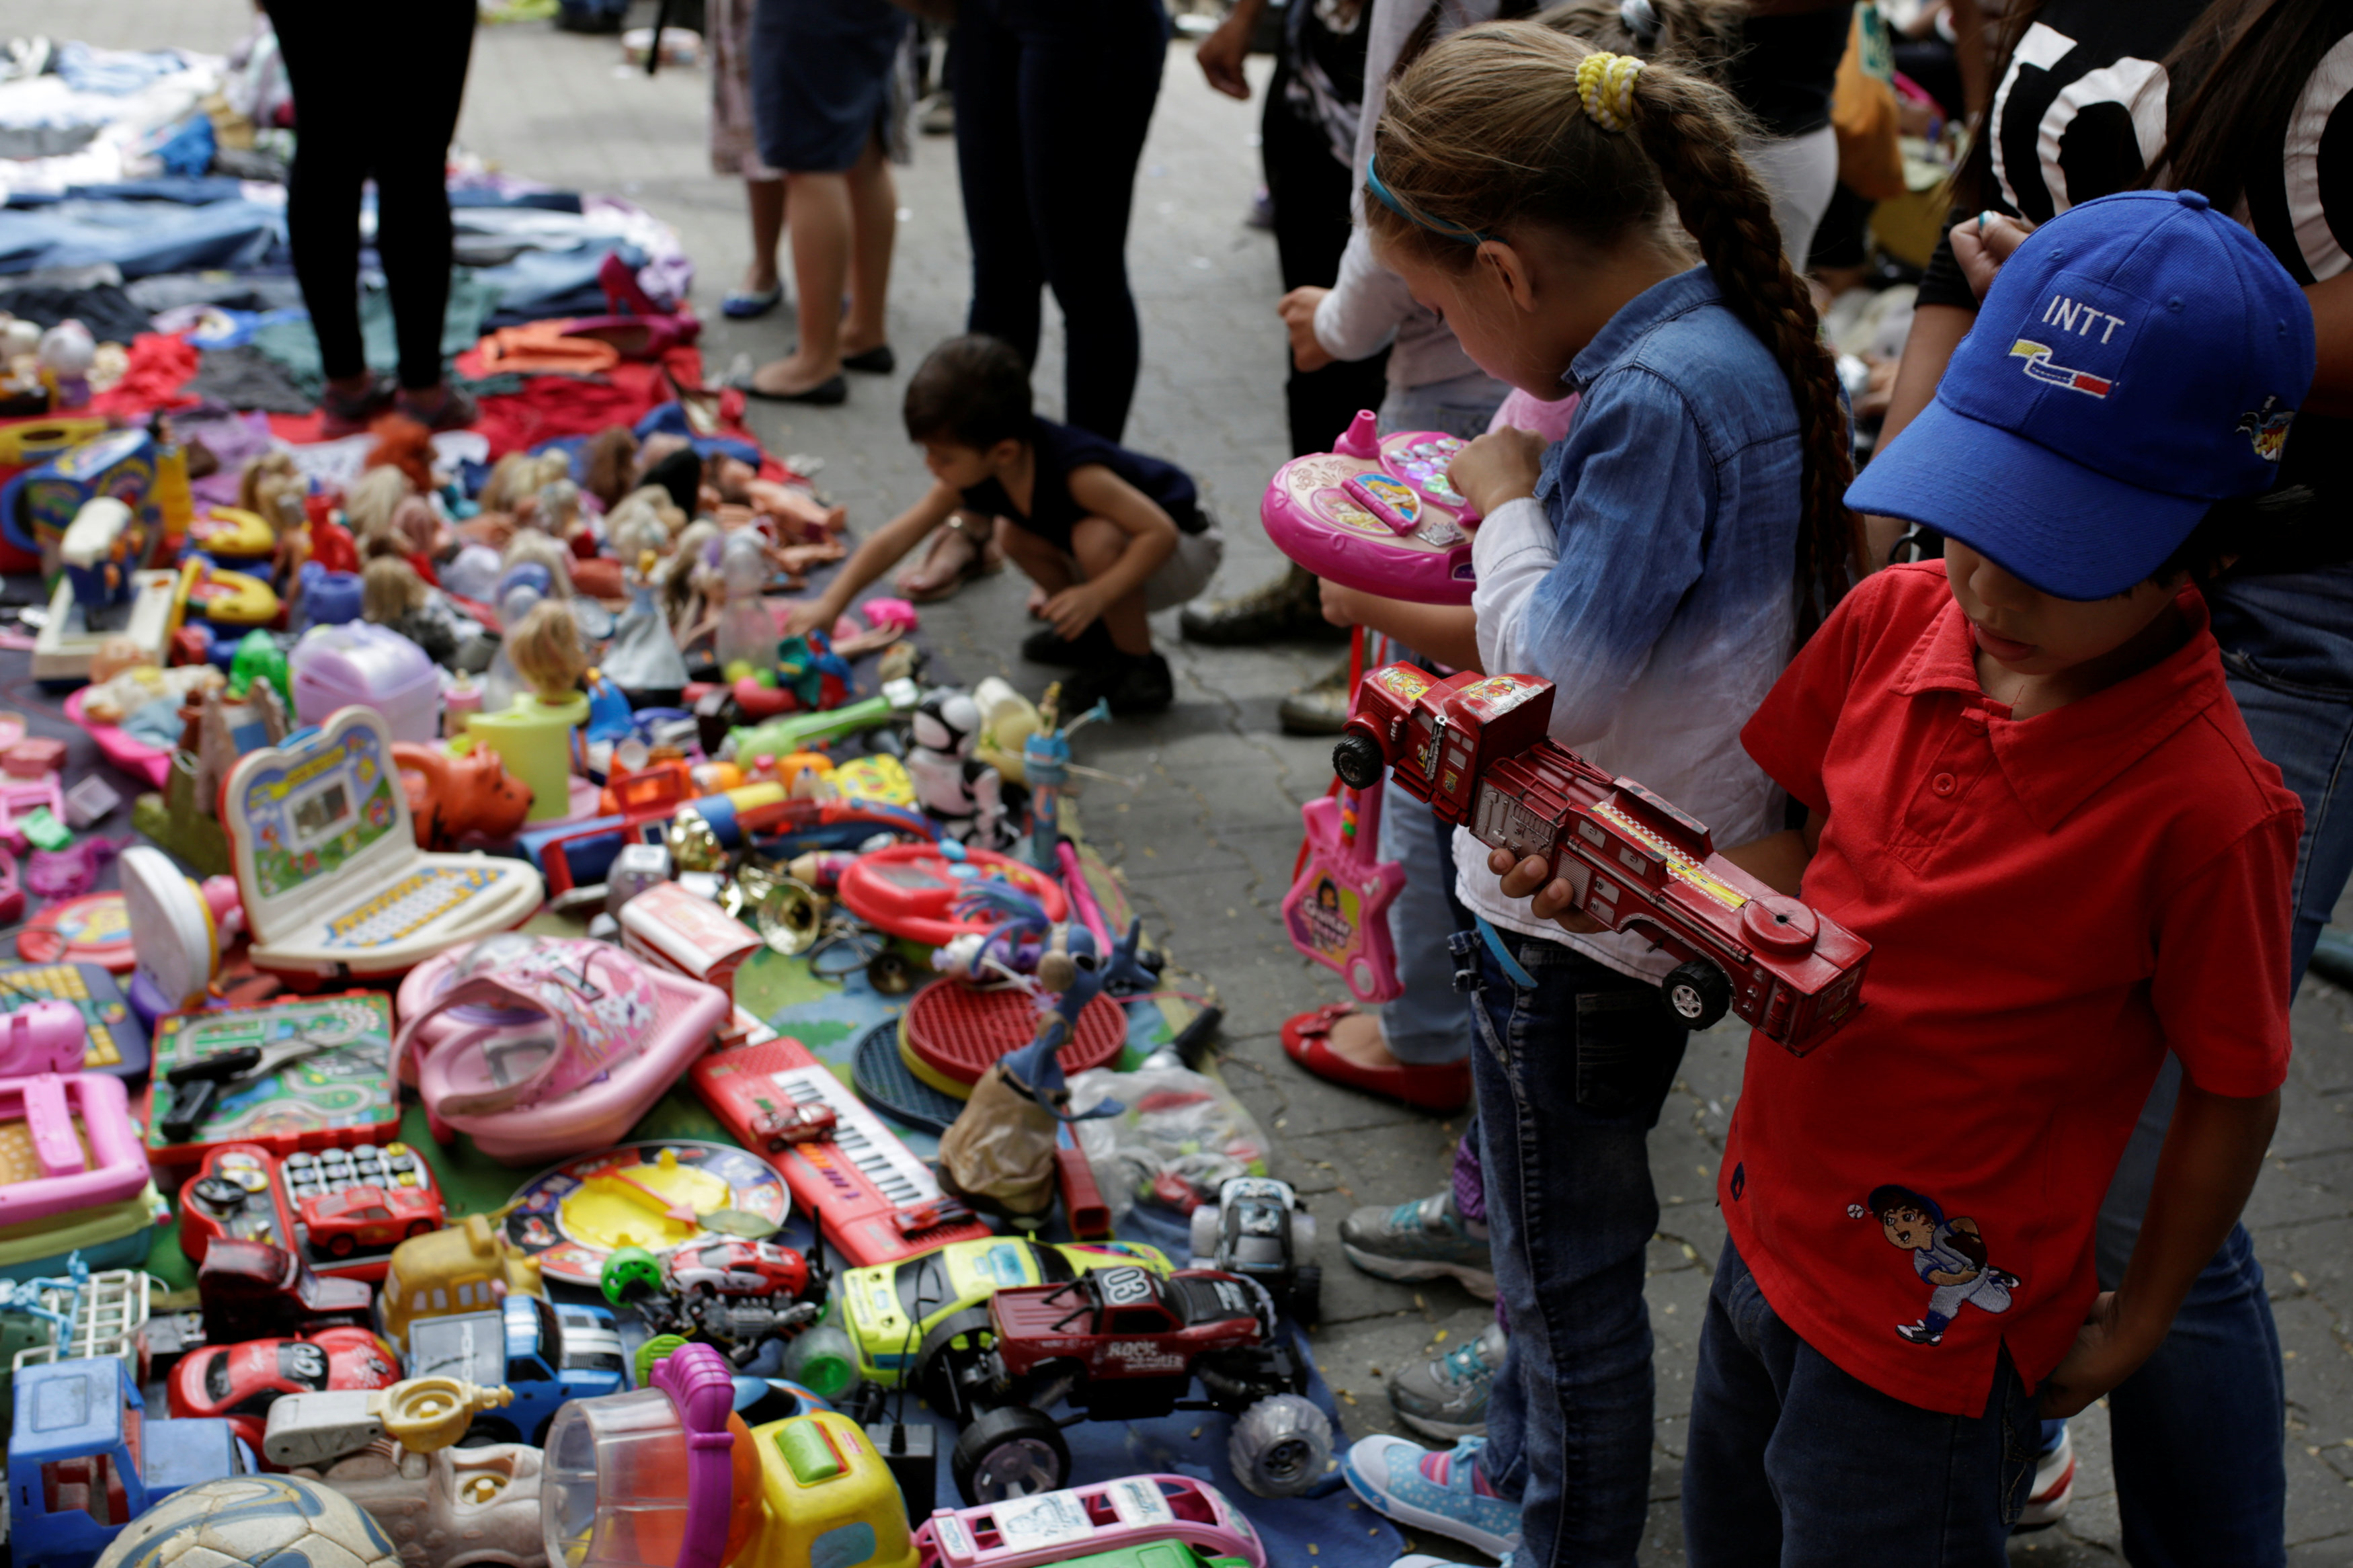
(1310, 189)
(1052, 100)
(347, 133)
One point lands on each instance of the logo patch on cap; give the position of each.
(2267, 429)
(2039, 366)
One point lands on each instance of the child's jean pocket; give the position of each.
(1567, 1026)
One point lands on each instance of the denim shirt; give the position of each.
(1652, 578)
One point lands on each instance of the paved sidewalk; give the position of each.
(1207, 840)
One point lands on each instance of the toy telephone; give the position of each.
(1378, 514)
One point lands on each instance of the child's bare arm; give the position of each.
(2212, 1153)
(880, 550)
(1151, 536)
(1447, 633)
(1779, 859)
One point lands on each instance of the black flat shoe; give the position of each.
(876, 361)
(832, 390)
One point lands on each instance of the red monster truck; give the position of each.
(1122, 1345)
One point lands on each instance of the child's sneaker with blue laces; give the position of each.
(1426, 1238)
(1434, 1489)
(1446, 1397)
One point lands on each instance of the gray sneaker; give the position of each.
(1423, 1239)
(1446, 1399)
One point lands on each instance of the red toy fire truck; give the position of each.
(1474, 747)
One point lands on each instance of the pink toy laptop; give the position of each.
(541, 1048)
(327, 864)
(1376, 514)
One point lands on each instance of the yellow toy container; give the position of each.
(533, 738)
(234, 534)
(828, 1499)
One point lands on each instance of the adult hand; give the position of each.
(807, 615)
(1983, 243)
(1073, 610)
(1499, 466)
(1297, 309)
(1222, 52)
(2103, 1355)
(1340, 605)
(1552, 900)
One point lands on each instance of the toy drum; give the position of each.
(1376, 514)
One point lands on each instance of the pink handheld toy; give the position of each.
(1337, 910)
(60, 1112)
(540, 1048)
(1061, 1527)
(1376, 514)
(48, 1037)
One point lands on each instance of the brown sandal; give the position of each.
(985, 560)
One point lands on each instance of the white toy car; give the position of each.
(1259, 1229)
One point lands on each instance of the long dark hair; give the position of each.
(2241, 59)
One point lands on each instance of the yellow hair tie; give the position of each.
(1605, 83)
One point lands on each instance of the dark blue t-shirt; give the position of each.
(1062, 448)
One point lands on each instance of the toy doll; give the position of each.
(547, 653)
(644, 658)
(369, 504)
(608, 467)
(392, 594)
(644, 520)
(797, 514)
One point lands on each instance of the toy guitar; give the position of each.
(1376, 514)
(1338, 911)
(1475, 748)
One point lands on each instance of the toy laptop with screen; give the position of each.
(327, 864)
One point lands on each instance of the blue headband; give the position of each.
(1387, 198)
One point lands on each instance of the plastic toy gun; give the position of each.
(1474, 747)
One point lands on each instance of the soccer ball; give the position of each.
(253, 1521)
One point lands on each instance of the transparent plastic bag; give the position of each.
(1181, 1136)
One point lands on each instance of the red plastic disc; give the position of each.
(958, 1031)
(92, 929)
(910, 890)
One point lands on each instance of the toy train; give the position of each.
(1474, 747)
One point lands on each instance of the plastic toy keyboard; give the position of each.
(408, 906)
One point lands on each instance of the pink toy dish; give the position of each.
(1058, 1527)
(60, 1178)
(119, 746)
(1376, 514)
(541, 1048)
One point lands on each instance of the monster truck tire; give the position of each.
(1012, 1451)
(1307, 1294)
(1204, 1233)
(1280, 1446)
(939, 1364)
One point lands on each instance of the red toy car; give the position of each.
(725, 1266)
(1120, 1344)
(797, 1125)
(253, 1290)
(340, 1223)
(241, 1382)
(1475, 748)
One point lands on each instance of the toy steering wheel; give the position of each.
(911, 890)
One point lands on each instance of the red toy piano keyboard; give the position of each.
(875, 1201)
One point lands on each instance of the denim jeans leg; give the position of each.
(1793, 1463)
(1430, 1023)
(1571, 1074)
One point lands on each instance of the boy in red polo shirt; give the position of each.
(2027, 785)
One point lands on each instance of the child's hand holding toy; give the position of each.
(1501, 466)
(1554, 901)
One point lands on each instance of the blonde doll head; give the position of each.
(389, 590)
(544, 647)
(531, 547)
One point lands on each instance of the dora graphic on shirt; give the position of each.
(1950, 1254)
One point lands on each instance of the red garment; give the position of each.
(160, 366)
(553, 406)
(2052, 903)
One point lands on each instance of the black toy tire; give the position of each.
(1307, 1294)
(1357, 758)
(1012, 1451)
(1697, 994)
(936, 1360)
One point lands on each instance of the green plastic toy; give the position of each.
(797, 732)
(259, 658)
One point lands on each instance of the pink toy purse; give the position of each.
(540, 1048)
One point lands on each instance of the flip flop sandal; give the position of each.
(984, 561)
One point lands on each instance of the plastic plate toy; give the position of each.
(1376, 514)
(655, 1195)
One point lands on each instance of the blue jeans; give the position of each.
(1793, 1463)
(1429, 1023)
(1571, 1073)
(2197, 1430)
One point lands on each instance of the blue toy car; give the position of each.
(84, 1459)
(545, 1353)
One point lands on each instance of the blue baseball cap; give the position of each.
(2137, 360)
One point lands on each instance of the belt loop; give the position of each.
(1513, 969)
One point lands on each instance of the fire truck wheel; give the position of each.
(1357, 759)
(1012, 1451)
(1698, 994)
(1282, 1445)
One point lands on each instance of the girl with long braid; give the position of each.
(1658, 564)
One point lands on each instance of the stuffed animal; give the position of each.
(451, 796)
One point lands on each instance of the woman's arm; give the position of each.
(880, 551)
(1221, 54)
(1447, 633)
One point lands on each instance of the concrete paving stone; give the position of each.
(2292, 1192)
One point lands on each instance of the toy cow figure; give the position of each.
(964, 794)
